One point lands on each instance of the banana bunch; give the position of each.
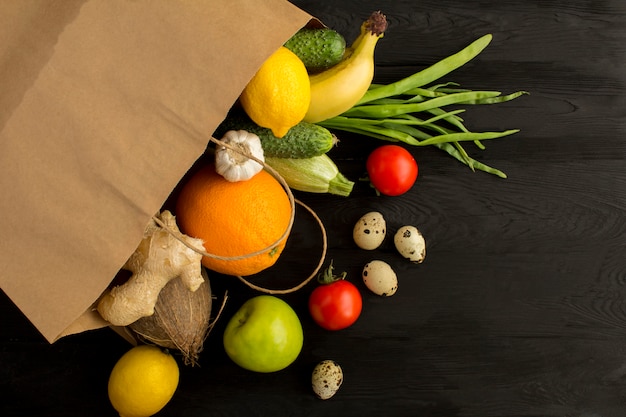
(339, 87)
(339, 77)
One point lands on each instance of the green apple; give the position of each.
(264, 335)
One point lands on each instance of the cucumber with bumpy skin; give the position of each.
(304, 140)
(319, 49)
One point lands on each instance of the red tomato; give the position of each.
(392, 169)
(335, 306)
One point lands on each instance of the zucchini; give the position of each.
(314, 175)
(319, 49)
(304, 140)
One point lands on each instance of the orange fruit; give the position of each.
(234, 219)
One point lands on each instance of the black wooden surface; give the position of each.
(519, 308)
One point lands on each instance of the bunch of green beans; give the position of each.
(411, 110)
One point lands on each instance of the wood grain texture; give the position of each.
(519, 309)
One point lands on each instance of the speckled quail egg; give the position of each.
(410, 243)
(370, 230)
(326, 379)
(380, 278)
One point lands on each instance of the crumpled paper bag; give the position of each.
(104, 105)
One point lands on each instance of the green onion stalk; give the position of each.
(413, 110)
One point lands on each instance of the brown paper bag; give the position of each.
(104, 105)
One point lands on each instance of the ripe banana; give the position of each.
(340, 87)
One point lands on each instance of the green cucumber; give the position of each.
(319, 49)
(304, 140)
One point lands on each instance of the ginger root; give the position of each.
(159, 258)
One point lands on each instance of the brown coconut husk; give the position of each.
(181, 319)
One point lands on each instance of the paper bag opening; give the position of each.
(108, 105)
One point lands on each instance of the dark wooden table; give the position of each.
(520, 306)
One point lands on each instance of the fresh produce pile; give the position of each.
(234, 215)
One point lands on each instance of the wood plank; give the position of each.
(519, 309)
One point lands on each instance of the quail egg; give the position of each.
(370, 230)
(326, 379)
(380, 278)
(410, 243)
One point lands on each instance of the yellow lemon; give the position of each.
(279, 94)
(143, 381)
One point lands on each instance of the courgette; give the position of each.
(319, 174)
(304, 140)
(318, 48)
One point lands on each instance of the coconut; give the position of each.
(181, 319)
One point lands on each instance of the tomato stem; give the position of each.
(328, 277)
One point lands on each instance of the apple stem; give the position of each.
(328, 277)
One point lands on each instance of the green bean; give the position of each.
(464, 136)
(443, 115)
(425, 92)
(473, 164)
(413, 131)
(343, 120)
(384, 133)
(446, 136)
(446, 90)
(454, 120)
(416, 91)
(370, 134)
(458, 123)
(384, 101)
(465, 158)
(495, 100)
(479, 144)
(438, 87)
(389, 110)
(430, 74)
